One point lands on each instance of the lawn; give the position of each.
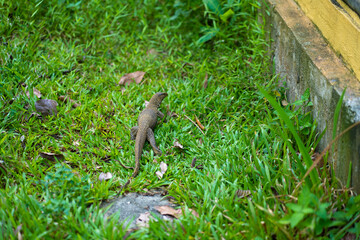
(237, 152)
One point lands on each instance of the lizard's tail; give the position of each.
(139, 145)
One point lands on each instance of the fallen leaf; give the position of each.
(284, 103)
(51, 156)
(46, 107)
(65, 99)
(178, 145)
(36, 93)
(242, 193)
(132, 77)
(193, 162)
(177, 213)
(188, 64)
(143, 220)
(167, 210)
(199, 123)
(105, 176)
(163, 169)
(206, 81)
(193, 212)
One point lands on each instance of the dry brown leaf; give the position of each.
(199, 123)
(36, 93)
(105, 176)
(51, 156)
(177, 213)
(284, 103)
(167, 210)
(206, 81)
(193, 162)
(132, 77)
(163, 169)
(242, 193)
(46, 107)
(143, 220)
(65, 99)
(178, 145)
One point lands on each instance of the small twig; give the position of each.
(195, 124)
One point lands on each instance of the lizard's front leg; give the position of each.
(151, 138)
(160, 115)
(133, 132)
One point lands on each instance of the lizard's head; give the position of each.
(157, 98)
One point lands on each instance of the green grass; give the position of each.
(250, 141)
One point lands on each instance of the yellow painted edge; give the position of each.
(340, 29)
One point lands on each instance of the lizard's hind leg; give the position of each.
(133, 132)
(151, 138)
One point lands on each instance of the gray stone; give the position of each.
(132, 205)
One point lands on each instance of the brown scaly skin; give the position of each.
(147, 121)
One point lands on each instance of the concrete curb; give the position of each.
(303, 59)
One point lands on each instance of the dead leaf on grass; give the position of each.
(178, 145)
(36, 93)
(177, 213)
(193, 162)
(284, 103)
(105, 176)
(65, 99)
(167, 210)
(46, 107)
(206, 81)
(243, 193)
(163, 169)
(51, 156)
(76, 143)
(132, 77)
(199, 123)
(143, 220)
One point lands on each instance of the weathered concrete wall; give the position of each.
(303, 59)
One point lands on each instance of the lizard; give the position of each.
(147, 121)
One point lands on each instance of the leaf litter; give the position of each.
(163, 169)
(132, 77)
